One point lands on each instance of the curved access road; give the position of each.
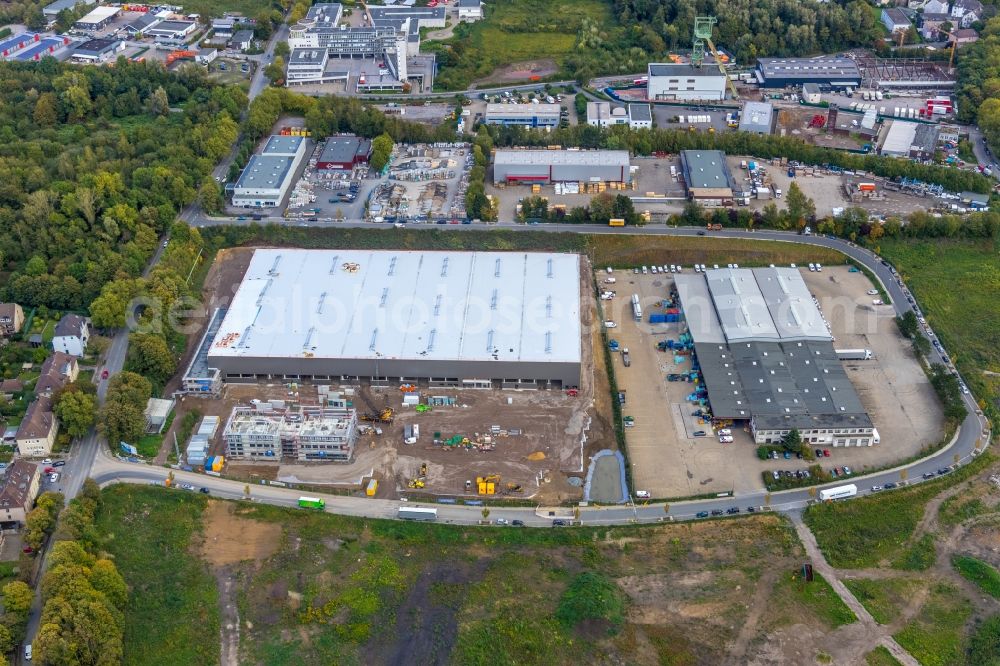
(967, 443)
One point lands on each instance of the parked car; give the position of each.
(928, 475)
(733, 509)
(610, 324)
(702, 514)
(717, 512)
(47, 461)
(104, 374)
(502, 521)
(517, 523)
(819, 453)
(642, 494)
(826, 453)
(875, 489)
(889, 486)
(944, 470)
(751, 509)
(847, 470)
(204, 490)
(558, 523)
(788, 455)
(59, 463)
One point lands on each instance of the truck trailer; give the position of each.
(417, 513)
(854, 354)
(840, 492)
(311, 503)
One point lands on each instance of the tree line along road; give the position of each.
(961, 450)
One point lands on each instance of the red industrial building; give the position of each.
(343, 153)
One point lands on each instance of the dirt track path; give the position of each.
(879, 633)
(230, 625)
(765, 586)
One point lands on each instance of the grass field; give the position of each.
(981, 573)
(935, 636)
(793, 596)
(528, 30)
(883, 597)
(870, 530)
(172, 615)
(881, 656)
(621, 250)
(335, 589)
(955, 510)
(956, 283)
(984, 644)
(918, 556)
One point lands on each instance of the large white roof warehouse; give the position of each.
(443, 316)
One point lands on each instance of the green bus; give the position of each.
(311, 503)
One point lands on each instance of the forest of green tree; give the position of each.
(752, 28)
(97, 163)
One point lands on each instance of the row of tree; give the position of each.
(649, 141)
(601, 209)
(478, 206)
(83, 595)
(122, 418)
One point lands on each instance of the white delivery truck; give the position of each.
(854, 354)
(840, 492)
(417, 513)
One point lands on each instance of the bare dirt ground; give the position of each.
(558, 431)
(518, 72)
(228, 541)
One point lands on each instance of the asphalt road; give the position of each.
(959, 451)
(91, 458)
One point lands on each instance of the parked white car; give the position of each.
(610, 324)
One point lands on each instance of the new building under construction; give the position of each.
(308, 433)
(473, 319)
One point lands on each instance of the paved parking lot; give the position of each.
(667, 460)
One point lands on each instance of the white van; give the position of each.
(645, 270)
(27, 652)
(642, 494)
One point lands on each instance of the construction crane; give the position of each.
(703, 35)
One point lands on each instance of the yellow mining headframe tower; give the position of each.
(703, 35)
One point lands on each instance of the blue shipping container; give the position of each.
(657, 318)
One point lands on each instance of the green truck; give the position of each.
(312, 503)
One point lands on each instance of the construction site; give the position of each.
(411, 436)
